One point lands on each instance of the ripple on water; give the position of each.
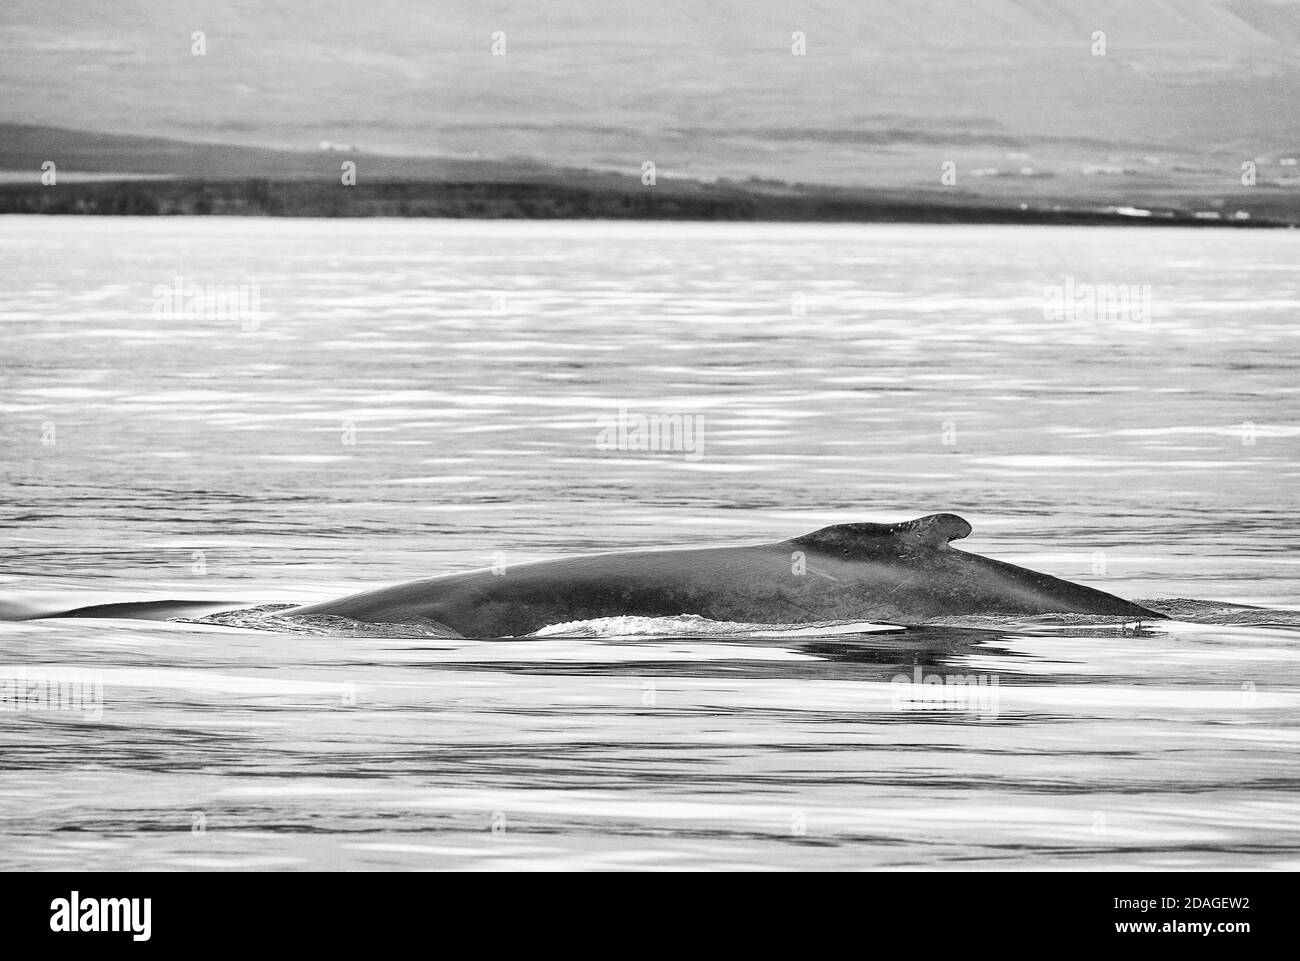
(421, 397)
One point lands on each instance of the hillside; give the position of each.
(1008, 90)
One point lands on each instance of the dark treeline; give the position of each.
(549, 200)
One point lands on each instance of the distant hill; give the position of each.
(24, 147)
(1010, 91)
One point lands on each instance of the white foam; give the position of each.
(692, 625)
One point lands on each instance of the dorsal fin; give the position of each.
(925, 533)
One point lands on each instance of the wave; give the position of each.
(692, 625)
(1220, 612)
(29, 606)
(271, 617)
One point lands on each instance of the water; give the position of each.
(424, 397)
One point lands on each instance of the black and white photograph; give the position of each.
(633, 436)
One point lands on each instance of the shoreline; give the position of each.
(574, 199)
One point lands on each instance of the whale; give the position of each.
(906, 573)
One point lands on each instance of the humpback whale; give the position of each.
(906, 573)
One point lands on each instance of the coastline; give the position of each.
(599, 198)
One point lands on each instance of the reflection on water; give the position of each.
(418, 397)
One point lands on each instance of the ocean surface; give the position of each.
(259, 412)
